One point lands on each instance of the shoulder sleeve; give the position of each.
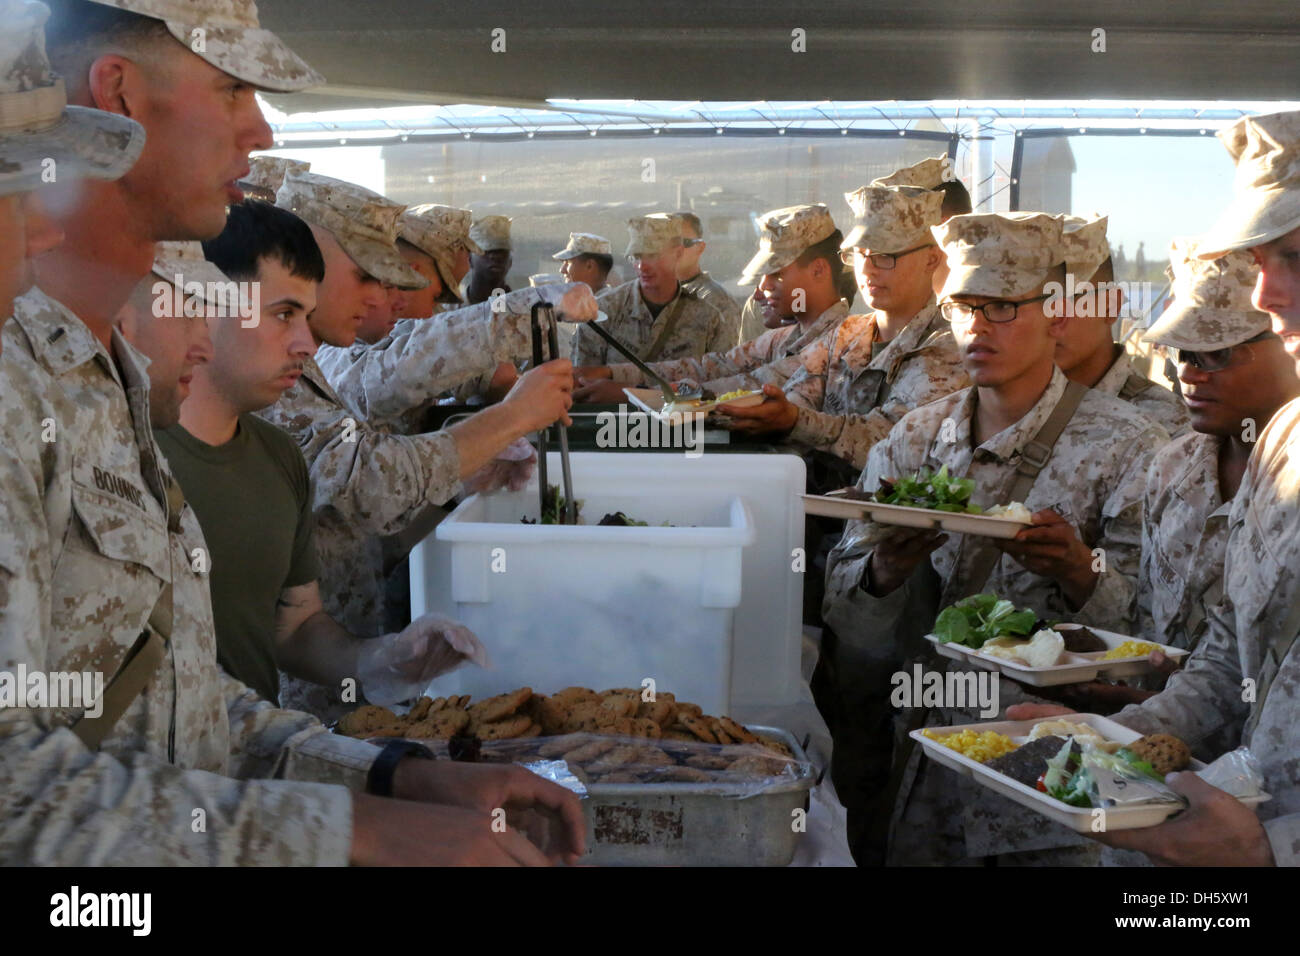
(412, 369)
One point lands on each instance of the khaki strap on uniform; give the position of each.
(1034, 457)
(132, 677)
(674, 310)
(1278, 647)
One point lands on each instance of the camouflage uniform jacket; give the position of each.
(865, 396)
(708, 289)
(1150, 398)
(751, 321)
(392, 382)
(367, 483)
(773, 358)
(1095, 480)
(1184, 538)
(87, 545)
(700, 327)
(1262, 584)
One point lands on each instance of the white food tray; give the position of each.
(834, 506)
(1079, 819)
(1074, 667)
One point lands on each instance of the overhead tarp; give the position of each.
(389, 52)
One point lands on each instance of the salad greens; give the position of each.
(938, 492)
(1068, 778)
(982, 617)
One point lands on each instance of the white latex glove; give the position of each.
(511, 468)
(573, 301)
(397, 667)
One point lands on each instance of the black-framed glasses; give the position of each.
(880, 260)
(1216, 360)
(999, 311)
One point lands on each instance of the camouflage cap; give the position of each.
(784, 234)
(651, 235)
(991, 254)
(227, 34)
(1212, 307)
(439, 231)
(42, 138)
(1086, 247)
(183, 263)
(927, 174)
(892, 218)
(491, 232)
(585, 244)
(364, 223)
(266, 175)
(1266, 189)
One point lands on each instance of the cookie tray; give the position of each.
(1079, 819)
(697, 824)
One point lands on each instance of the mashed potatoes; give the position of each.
(1044, 649)
(1015, 511)
(981, 747)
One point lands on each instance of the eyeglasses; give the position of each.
(879, 260)
(998, 312)
(691, 242)
(1216, 360)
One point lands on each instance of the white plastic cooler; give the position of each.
(701, 607)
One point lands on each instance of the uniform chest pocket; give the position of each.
(120, 531)
(861, 393)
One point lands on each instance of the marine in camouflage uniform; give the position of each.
(1088, 259)
(684, 327)
(1185, 517)
(870, 383)
(699, 283)
(1094, 479)
(1251, 633)
(93, 530)
(778, 355)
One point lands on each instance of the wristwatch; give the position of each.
(379, 781)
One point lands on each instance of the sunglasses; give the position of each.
(1216, 360)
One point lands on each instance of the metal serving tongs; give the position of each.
(671, 395)
(544, 315)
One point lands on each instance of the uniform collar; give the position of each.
(1202, 457)
(313, 374)
(1009, 442)
(1112, 383)
(829, 319)
(919, 328)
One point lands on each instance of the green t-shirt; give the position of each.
(252, 497)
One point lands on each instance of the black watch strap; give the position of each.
(379, 781)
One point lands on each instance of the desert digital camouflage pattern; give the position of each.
(1003, 256)
(708, 289)
(1266, 186)
(867, 390)
(1095, 479)
(266, 175)
(927, 174)
(365, 224)
(491, 233)
(783, 236)
(233, 40)
(88, 544)
(584, 244)
(892, 218)
(770, 359)
(394, 381)
(1212, 306)
(36, 123)
(698, 330)
(1184, 539)
(1261, 568)
(1086, 247)
(1152, 399)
